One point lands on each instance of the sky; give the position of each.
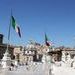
(56, 18)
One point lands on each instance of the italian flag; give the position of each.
(46, 40)
(15, 26)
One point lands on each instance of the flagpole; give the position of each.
(6, 60)
(9, 34)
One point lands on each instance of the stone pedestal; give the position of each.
(63, 56)
(47, 65)
(6, 61)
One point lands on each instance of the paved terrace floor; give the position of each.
(39, 69)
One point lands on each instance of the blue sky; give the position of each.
(35, 17)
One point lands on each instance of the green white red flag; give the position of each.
(15, 26)
(46, 40)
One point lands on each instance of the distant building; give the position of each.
(18, 53)
(3, 48)
(35, 51)
(31, 52)
(57, 53)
